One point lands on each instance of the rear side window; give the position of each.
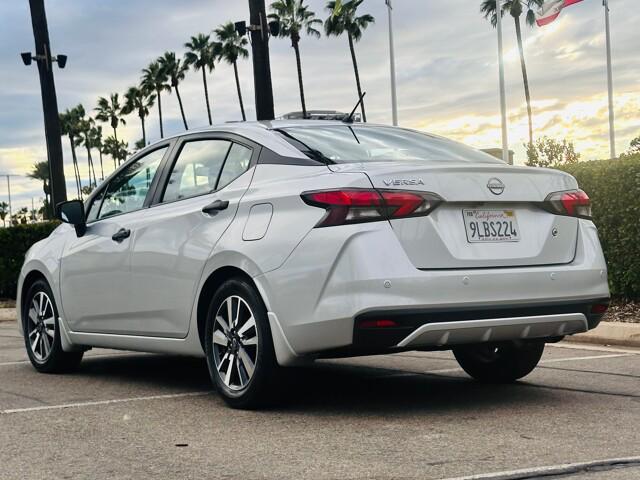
(204, 166)
(196, 170)
(127, 191)
(236, 164)
(357, 143)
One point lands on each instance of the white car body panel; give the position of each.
(144, 293)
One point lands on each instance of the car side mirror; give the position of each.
(72, 212)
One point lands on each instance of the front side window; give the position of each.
(128, 189)
(356, 143)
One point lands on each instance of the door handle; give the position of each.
(121, 234)
(215, 207)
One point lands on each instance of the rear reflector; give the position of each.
(363, 205)
(599, 308)
(573, 203)
(377, 324)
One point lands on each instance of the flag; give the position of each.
(551, 9)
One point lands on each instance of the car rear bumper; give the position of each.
(337, 276)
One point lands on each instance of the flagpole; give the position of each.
(503, 101)
(392, 63)
(612, 132)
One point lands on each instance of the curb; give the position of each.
(7, 314)
(610, 333)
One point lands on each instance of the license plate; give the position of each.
(491, 226)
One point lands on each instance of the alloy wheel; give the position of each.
(235, 342)
(41, 326)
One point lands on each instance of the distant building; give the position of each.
(497, 152)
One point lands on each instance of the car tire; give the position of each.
(41, 331)
(499, 363)
(240, 353)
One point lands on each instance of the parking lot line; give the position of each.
(590, 357)
(105, 402)
(595, 348)
(557, 470)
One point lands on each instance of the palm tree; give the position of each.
(201, 55)
(96, 140)
(110, 111)
(140, 100)
(41, 172)
(176, 70)
(69, 125)
(516, 8)
(4, 211)
(294, 17)
(116, 149)
(233, 48)
(343, 19)
(110, 147)
(154, 79)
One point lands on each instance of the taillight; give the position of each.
(361, 205)
(574, 203)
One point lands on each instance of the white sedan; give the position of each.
(270, 244)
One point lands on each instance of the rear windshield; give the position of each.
(359, 143)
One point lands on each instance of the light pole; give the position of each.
(49, 102)
(503, 101)
(8, 175)
(259, 31)
(392, 64)
(612, 131)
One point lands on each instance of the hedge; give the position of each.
(14, 243)
(614, 189)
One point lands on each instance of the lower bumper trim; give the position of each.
(495, 330)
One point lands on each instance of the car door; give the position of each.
(195, 203)
(95, 273)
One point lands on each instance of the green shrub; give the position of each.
(614, 189)
(14, 243)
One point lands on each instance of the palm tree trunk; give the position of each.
(101, 168)
(90, 165)
(525, 79)
(355, 69)
(160, 113)
(184, 119)
(235, 71)
(144, 133)
(115, 134)
(206, 94)
(296, 49)
(76, 170)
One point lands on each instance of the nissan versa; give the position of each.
(270, 244)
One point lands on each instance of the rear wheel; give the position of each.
(499, 363)
(42, 332)
(239, 346)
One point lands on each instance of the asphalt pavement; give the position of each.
(406, 416)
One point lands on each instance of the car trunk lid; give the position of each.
(505, 225)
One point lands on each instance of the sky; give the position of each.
(446, 61)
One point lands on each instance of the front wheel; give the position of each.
(499, 363)
(42, 332)
(239, 346)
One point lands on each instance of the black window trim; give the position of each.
(167, 167)
(168, 144)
